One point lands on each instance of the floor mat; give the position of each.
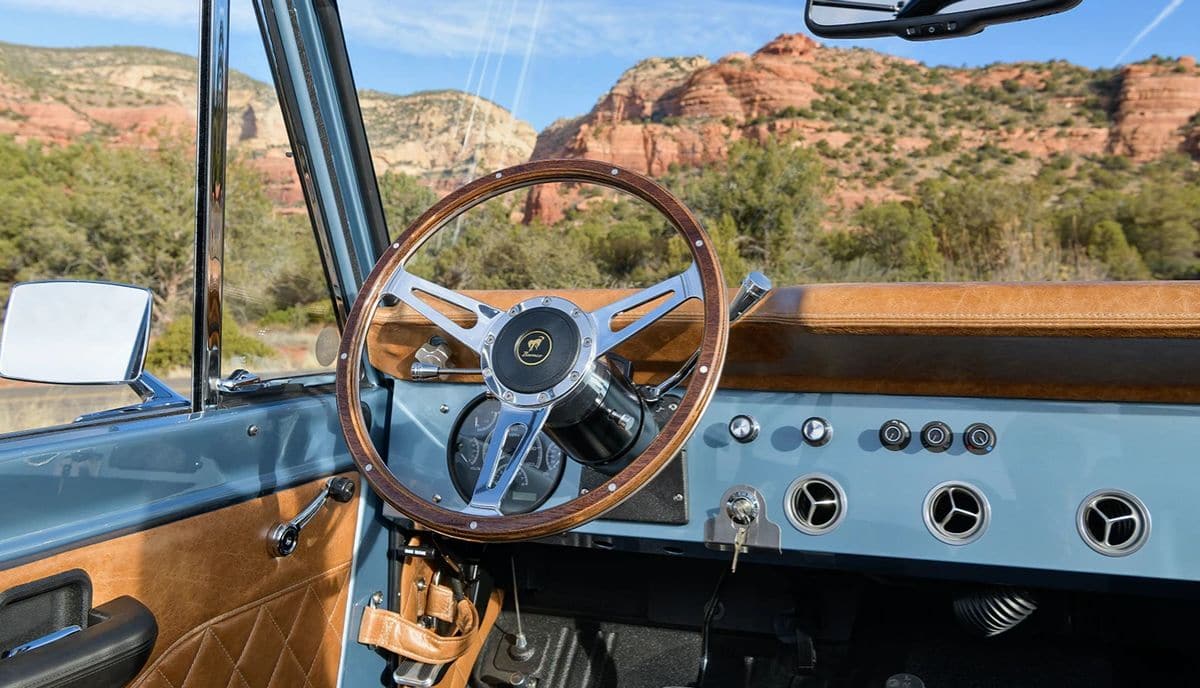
(578, 653)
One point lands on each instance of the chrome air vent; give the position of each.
(956, 513)
(815, 504)
(1113, 523)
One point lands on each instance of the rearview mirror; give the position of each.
(75, 333)
(918, 20)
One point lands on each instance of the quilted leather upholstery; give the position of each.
(292, 638)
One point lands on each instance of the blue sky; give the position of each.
(552, 58)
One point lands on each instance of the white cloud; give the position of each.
(1162, 16)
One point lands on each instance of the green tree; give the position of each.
(897, 237)
(773, 194)
(404, 199)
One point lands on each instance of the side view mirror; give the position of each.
(918, 20)
(69, 332)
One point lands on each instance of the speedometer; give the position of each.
(536, 479)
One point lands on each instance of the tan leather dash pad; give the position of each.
(1037, 340)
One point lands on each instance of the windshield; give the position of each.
(1063, 148)
(1058, 149)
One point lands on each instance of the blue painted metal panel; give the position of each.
(1050, 456)
(362, 666)
(84, 484)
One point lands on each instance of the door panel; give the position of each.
(79, 485)
(224, 605)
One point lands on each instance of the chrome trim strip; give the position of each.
(211, 105)
(347, 631)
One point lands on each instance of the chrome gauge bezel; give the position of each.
(543, 441)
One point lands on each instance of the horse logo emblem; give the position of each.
(534, 347)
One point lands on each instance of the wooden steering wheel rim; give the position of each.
(584, 508)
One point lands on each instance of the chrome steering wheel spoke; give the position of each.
(494, 484)
(676, 290)
(405, 286)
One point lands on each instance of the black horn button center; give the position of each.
(535, 350)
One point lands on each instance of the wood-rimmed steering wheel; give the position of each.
(534, 356)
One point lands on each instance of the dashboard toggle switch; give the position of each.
(894, 435)
(817, 431)
(743, 428)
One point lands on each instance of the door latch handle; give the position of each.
(284, 538)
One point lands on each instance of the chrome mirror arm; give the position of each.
(754, 288)
(156, 396)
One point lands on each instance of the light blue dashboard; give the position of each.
(1049, 457)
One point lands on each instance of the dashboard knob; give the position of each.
(979, 438)
(937, 436)
(817, 431)
(894, 435)
(743, 428)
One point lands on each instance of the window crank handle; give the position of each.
(284, 537)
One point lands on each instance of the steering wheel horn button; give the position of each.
(537, 351)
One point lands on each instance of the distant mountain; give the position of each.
(132, 96)
(881, 122)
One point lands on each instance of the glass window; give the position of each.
(279, 318)
(1059, 149)
(96, 182)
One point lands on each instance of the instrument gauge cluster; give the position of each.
(536, 480)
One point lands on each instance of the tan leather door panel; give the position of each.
(229, 614)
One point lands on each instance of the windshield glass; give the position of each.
(1058, 149)
(1063, 148)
